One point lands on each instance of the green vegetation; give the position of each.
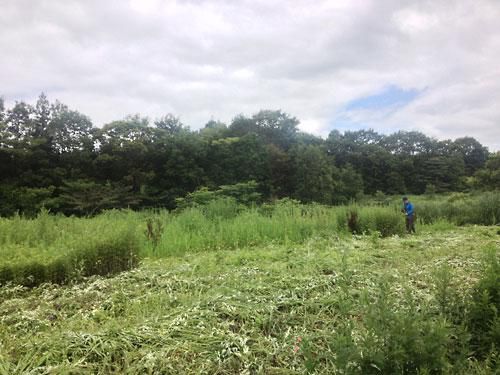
(333, 304)
(227, 286)
(59, 249)
(235, 260)
(53, 157)
(461, 209)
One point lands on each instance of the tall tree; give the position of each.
(170, 123)
(489, 177)
(348, 184)
(408, 143)
(19, 122)
(274, 127)
(312, 178)
(70, 130)
(42, 117)
(473, 153)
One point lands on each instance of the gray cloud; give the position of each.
(203, 59)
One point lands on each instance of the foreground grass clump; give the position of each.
(333, 304)
(69, 248)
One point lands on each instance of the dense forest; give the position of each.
(54, 157)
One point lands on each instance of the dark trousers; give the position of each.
(410, 223)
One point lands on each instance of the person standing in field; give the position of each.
(409, 211)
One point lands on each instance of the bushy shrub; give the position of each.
(388, 222)
(384, 220)
(386, 336)
(402, 339)
(244, 193)
(353, 221)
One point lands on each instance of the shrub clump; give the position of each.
(383, 220)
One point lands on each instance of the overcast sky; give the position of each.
(432, 66)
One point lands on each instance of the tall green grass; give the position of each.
(217, 226)
(461, 209)
(223, 223)
(57, 249)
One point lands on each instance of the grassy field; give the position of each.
(325, 302)
(278, 288)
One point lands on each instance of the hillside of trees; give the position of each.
(54, 157)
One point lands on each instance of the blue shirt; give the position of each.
(409, 209)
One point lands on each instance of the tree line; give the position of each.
(54, 157)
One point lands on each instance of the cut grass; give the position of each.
(280, 308)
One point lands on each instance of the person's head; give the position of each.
(405, 199)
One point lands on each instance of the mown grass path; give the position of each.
(277, 309)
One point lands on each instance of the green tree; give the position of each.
(19, 123)
(446, 173)
(278, 184)
(488, 178)
(473, 153)
(214, 130)
(274, 127)
(170, 123)
(348, 184)
(408, 143)
(70, 130)
(89, 198)
(235, 159)
(312, 178)
(42, 117)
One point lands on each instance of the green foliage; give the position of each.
(488, 178)
(27, 200)
(313, 300)
(89, 198)
(401, 339)
(223, 223)
(154, 231)
(222, 208)
(58, 250)
(114, 254)
(461, 209)
(484, 310)
(348, 184)
(312, 174)
(227, 195)
(384, 220)
(52, 156)
(243, 192)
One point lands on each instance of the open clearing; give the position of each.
(277, 309)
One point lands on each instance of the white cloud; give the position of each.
(217, 58)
